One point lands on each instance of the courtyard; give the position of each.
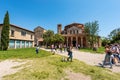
(22, 64)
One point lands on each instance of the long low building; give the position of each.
(19, 37)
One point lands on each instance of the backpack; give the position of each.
(117, 50)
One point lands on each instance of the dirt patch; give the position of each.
(7, 67)
(75, 76)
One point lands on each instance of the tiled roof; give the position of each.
(18, 27)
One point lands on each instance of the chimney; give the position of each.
(59, 28)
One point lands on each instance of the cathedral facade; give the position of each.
(74, 34)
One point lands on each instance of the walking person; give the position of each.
(60, 47)
(52, 47)
(70, 54)
(37, 50)
(56, 48)
(108, 57)
(115, 50)
(65, 47)
(78, 46)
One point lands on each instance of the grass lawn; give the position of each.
(99, 50)
(22, 53)
(46, 66)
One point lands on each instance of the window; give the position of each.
(73, 31)
(31, 37)
(77, 31)
(12, 33)
(23, 33)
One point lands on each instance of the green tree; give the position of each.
(48, 37)
(58, 38)
(5, 32)
(105, 41)
(115, 36)
(91, 30)
(51, 38)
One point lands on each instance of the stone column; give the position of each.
(15, 44)
(28, 43)
(20, 44)
(67, 41)
(33, 43)
(25, 44)
(82, 42)
(71, 40)
(77, 40)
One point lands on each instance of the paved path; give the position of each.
(88, 58)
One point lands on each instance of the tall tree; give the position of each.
(51, 38)
(115, 36)
(105, 41)
(48, 37)
(5, 32)
(58, 38)
(92, 29)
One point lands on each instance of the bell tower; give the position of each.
(59, 28)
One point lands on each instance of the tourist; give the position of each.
(56, 48)
(52, 47)
(65, 47)
(70, 54)
(37, 49)
(108, 57)
(115, 50)
(60, 47)
(78, 46)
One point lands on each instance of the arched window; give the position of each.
(77, 31)
(73, 31)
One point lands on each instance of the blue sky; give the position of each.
(48, 13)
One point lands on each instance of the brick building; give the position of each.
(74, 35)
(39, 35)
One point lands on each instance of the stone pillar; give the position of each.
(77, 40)
(67, 41)
(25, 44)
(15, 44)
(32, 43)
(71, 40)
(29, 44)
(20, 44)
(82, 42)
